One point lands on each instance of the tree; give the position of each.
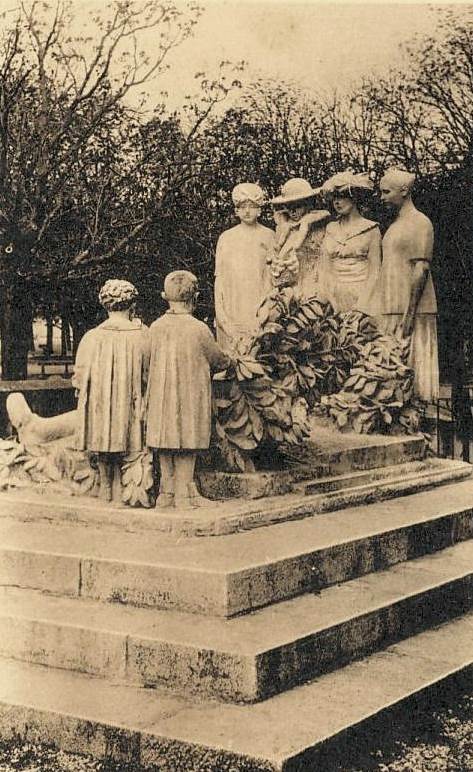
(61, 111)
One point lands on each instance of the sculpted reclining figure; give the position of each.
(32, 429)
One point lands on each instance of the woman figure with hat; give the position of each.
(351, 249)
(299, 234)
(242, 277)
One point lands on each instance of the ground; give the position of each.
(434, 734)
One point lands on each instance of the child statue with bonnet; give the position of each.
(183, 356)
(110, 375)
(242, 275)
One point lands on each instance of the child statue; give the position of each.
(110, 375)
(183, 354)
(299, 234)
(242, 276)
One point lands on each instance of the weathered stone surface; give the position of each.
(246, 658)
(228, 676)
(233, 574)
(76, 648)
(233, 516)
(285, 733)
(355, 478)
(164, 587)
(225, 485)
(57, 574)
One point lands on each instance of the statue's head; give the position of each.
(248, 199)
(396, 187)
(118, 295)
(180, 287)
(347, 191)
(296, 199)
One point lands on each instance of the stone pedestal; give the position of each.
(251, 650)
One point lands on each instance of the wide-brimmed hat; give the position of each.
(345, 182)
(295, 189)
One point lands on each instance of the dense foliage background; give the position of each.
(91, 189)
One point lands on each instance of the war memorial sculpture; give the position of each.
(227, 493)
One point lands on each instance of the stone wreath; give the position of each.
(305, 358)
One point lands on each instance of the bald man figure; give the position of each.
(407, 295)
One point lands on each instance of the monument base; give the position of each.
(326, 478)
(121, 645)
(259, 649)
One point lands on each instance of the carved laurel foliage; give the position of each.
(260, 399)
(75, 471)
(20, 467)
(137, 479)
(378, 388)
(306, 356)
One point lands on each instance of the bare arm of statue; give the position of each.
(421, 257)
(374, 261)
(221, 316)
(420, 275)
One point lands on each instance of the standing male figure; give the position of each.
(407, 297)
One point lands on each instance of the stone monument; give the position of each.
(406, 294)
(242, 277)
(110, 375)
(183, 353)
(351, 249)
(299, 234)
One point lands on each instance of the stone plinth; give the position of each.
(255, 650)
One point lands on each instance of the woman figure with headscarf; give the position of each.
(351, 249)
(242, 276)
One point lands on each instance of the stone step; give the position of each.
(235, 574)
(244, 659)
(379, 486)
(342, 453)
(396, 472)
(223, 517)
(287, 733)
(328, 453)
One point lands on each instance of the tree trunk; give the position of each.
(65, 336)
(49, 336)
(16, 320)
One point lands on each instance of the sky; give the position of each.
(319, 44)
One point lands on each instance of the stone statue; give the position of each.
(242, 277)
(33, 429)
(299, 234)
(183, 354)
(351, 249)
(406, 292)
(110, 375)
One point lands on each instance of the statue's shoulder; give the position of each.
(229, 234)
(267, 232)
(422, 220)
(369, 224)
(159, 322)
